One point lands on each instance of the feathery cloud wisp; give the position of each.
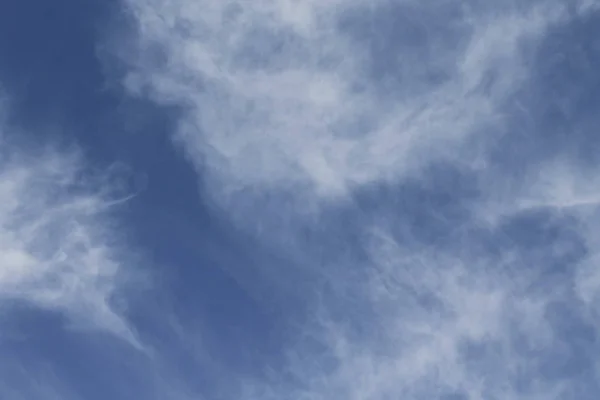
(330, 95)
(60, 247)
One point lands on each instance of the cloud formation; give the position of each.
(319, 95)
(61, 249)
(453, 254)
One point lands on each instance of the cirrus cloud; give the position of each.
(481, 288)
(61, 248)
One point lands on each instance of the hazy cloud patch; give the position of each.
(332, 131)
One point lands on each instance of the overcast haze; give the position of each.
(299, 199)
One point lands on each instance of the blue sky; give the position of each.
(303, 200)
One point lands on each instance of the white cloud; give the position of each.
(279, 92)
(435, 326)
(60, 247)
(283, 97)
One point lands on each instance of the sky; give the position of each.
(299, 199)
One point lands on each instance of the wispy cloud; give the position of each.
(306, 108)
(331, 95)
(61, 248)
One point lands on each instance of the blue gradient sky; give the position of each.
(303, 200)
